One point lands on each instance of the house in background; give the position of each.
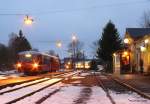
(135, 57)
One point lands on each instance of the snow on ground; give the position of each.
(65, 96)
(98, 96)
(68, 94)
(9, 74)
(3, 77)
(84, 74)
(128, 98)
(24, 84)
(32, 99)
(16, 94)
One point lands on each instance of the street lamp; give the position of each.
(59, 44)
(28, 20)
(126, 41)
(74, 39)
(146, 41)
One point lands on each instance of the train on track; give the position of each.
(32, 62)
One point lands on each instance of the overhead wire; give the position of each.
(76, 9)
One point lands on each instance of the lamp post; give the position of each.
(74, 39)
(59, 45)
(28, 20)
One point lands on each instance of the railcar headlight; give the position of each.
(35, 65)
(19, 65)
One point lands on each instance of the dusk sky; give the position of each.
(59, 19)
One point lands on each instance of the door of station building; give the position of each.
(125, 63)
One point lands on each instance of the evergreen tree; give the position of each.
(18, 43)
(22, 44)
(3, 56)
(93, 65)
(108, 44)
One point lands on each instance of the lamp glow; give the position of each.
(143, 48)
(126, 40)
(19, 65)
(59, 44)
(28, 20)
(35, 65)
(28, 55)
(146, 41)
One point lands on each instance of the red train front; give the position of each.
(32, 62)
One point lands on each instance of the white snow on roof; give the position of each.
(36, 53)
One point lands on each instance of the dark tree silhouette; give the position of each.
(108, 44)
(93, 65)
(145, 21)
(18, 43)
(3, 56)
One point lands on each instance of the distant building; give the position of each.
(135, 57)
(69, 62)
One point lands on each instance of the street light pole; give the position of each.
(59, 45)
(74, 39)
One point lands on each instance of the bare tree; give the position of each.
(78, 48)
(145, 21)
(94, 47)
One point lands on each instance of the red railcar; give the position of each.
(32, 62)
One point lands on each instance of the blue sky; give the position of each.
(58, 19)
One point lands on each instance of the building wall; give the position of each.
(137, 54)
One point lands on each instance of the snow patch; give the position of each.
(129, 98)
(84, 74)
(16, 94)
(98, 96)
(65, 96)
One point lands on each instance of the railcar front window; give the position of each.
(26, 59)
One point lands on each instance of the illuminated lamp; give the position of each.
(59, 44)
(125, 53)
(67, 66)
(69, 63)
(19, 65)
(146, 41)
(28, 55)
(114, 54)
(143, 48)
(126, 40)
(35, 65)
(27, 20)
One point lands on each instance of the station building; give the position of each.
(135, 57)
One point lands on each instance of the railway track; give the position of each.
(26, 81)
(109, 84)
(28, 90)
(30, 83)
